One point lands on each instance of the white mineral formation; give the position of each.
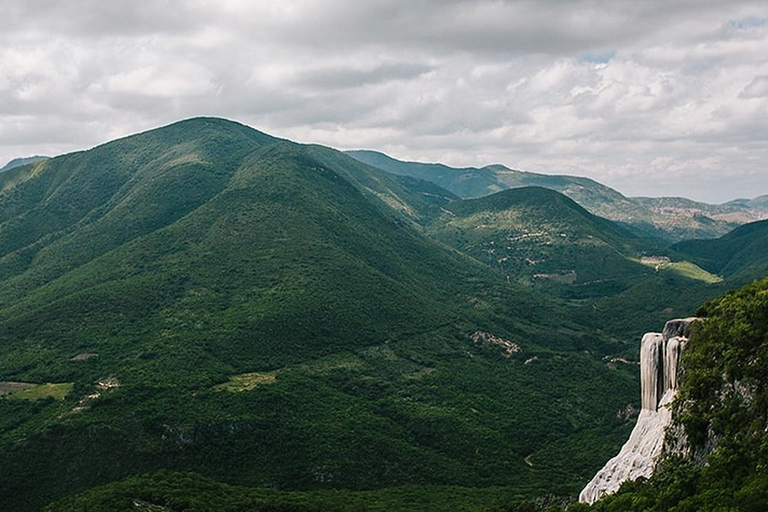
(659, 360)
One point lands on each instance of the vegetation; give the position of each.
(722, 407)
(533, 235)
(540, 239)
(206, 254)
(246, 382)
(57, 391)
(206, 257)
(686, 269)
(739, 255)
(668, 219)
(189, 492)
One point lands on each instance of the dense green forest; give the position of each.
(206, 316)
(721, 410)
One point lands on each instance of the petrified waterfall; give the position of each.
(659, 363)
(651, 374)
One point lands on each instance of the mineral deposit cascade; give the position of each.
(659, 365)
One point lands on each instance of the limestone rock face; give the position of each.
(659, 371)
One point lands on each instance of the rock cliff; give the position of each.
(659, 371)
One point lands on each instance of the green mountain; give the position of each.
(18, 162)
(667, 219)
(739, 254)
(542, 238)
(205, 297)
(721, 412)
(758, 202)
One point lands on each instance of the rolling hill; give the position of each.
(205, 297)
(665, 219)
(540, 237)
(740, 254)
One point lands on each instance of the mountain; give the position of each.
(666, 219)
(542, 238)
(719, 421)
(603, 273)
(740, 254)
(18, 162)
(205, 297)
(758, 202)
(686, 219)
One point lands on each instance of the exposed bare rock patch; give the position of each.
(84, 356)
(482, 337)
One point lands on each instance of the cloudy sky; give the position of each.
(665, 97)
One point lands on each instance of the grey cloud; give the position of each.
(679, 97)
(96, 18)
(344, 78)
(757, 88)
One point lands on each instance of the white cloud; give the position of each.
(652, 97)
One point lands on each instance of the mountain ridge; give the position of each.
(668, 219)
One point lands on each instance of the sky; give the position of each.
(652, 97)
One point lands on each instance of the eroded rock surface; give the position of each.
(659, 371)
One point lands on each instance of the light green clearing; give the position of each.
(686, 269)
(57, 391)
(245, 382)
(8, 387)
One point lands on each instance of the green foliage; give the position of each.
(205, 256)
(533, 235)
(666, 219)
(723, 406)
(56, 391)
(739, 254)
(194, 255)
(246, 382)
(540, 239)
(190, 492)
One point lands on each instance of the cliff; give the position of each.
(659, 372)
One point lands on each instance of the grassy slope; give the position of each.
(18, 162)
(204, 250)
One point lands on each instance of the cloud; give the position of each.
(651, 97)
(757, 88)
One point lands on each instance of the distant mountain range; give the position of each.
(668, 219)
(18, 162)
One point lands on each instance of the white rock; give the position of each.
(659, 371)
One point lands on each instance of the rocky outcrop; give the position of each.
(659, 372)
(481, 337)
